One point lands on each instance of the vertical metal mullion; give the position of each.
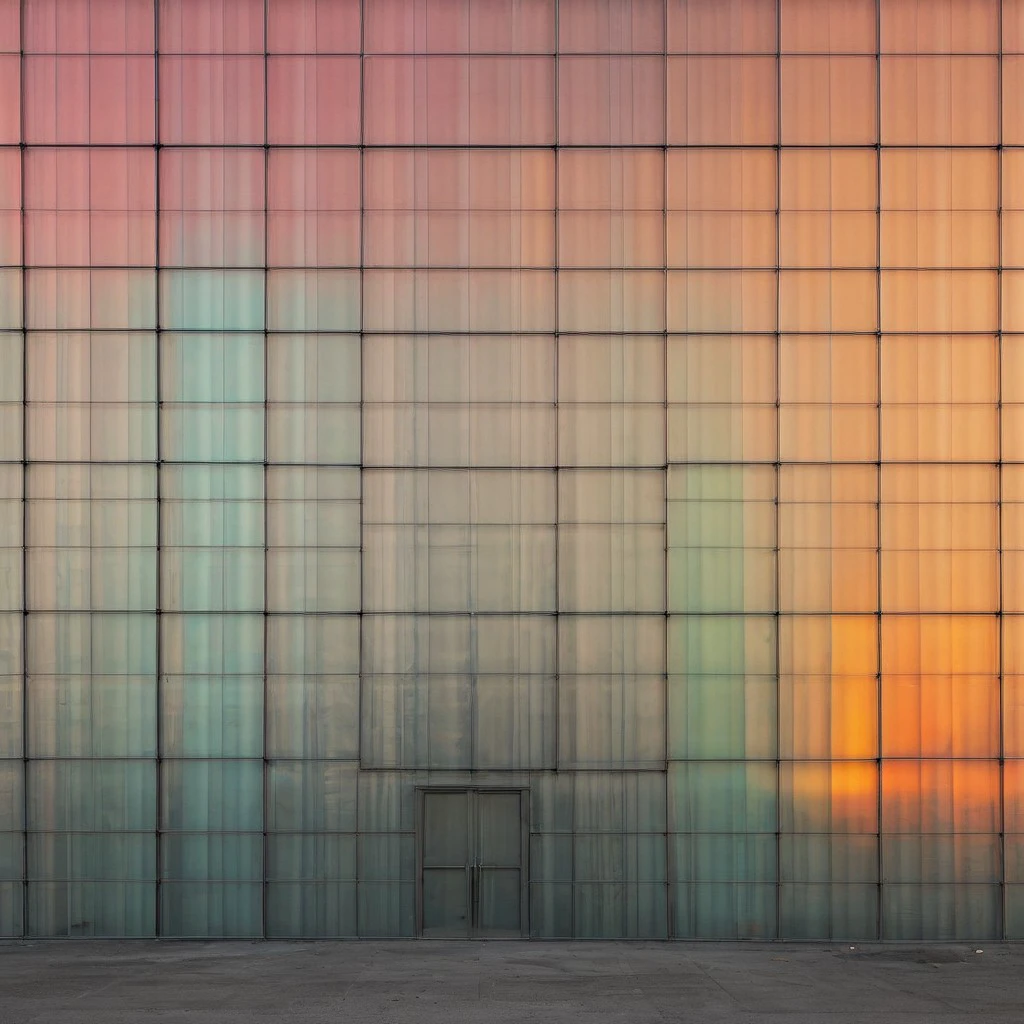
(158, 889)
(667, 735)
(778, 464)
(362, 460)
(24, 490)
(999, 485)
(879, 922)
(266, 449)
(557, 460)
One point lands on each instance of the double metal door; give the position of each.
(472, 863)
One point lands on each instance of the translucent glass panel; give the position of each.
(313, 26)
(721, 392)
(313, 100)
(940, 686)
(828, 536)
(827, 219)
(611, 394)
(211, 207)
(457, 692)
(11, 536)
(939, 539)
(455, 400)
(610, 208)
(212, 100)
(455, 26)
(53, 26)
(721, 539)
(91, 537)
(611, 101)
(719, 100)
(828, 100)
(939, 208)
(458, 101)
(828, 390)
(459, 208)
(97, 99)
(212, 538)
(449, 540)
(90, 207)
(212, 397)
(939, 100)
(313, 204)
(90, 396)
(618, 26)
(828, 689)
(722, 689)
(313, 391)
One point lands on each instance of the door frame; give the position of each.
(524, 851)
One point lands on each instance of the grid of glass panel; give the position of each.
(620, 399)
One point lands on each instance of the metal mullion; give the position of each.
(557, 460)
(670, 888)
(24, 493)
(778, 463)
(266, 473)
(447, 147)
(999, 485)
(362, 459)
(158, 889)
(879, 921)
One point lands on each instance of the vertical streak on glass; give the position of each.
(24, 494)
(266, 455)
(778, 461)
(878, 450)
(157, 889)
(999, 477)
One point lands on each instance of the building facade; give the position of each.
(512, 467)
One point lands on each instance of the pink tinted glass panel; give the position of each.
(90, 207)
(611, 101)
(458, 26)
(211, 26)
(211, 207)
(10, 26)
(721, 26)
(10, 207)
(313, 100)
(459, 101)
(10, 100)
(611, 26)
(211, 100)
(73, 100)
(313, 26)
(96, 26)
(314, 207)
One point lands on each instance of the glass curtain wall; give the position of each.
(620, 400)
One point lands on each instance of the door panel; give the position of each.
(472, 863)
(499, 829)
(446, 902)
(498, 911)
(445, 830)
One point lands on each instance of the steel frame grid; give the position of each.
(26, 332)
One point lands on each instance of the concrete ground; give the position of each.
(426, 982)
